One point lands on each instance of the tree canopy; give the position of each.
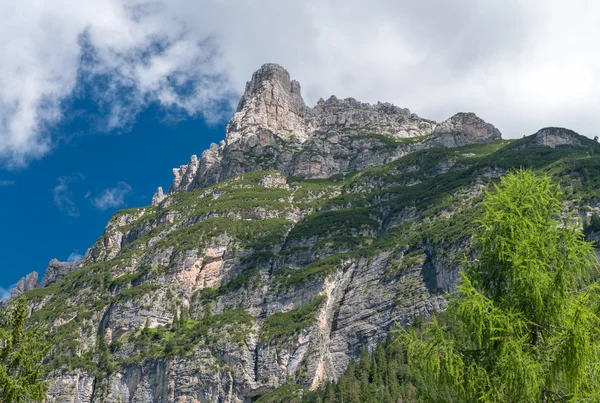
(529, 307)
(21, 353)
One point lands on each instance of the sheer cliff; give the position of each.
(285, 251)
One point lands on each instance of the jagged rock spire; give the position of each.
(158, 196)
(271, 101)
(183, 177)
(29, 282)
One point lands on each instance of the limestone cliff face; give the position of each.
(280, 254)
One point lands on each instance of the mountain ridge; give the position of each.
(281, 254)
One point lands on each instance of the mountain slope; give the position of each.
(285, 251)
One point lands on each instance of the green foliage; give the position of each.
(138, 291)
(162, 341)
(288, 277)
(249, 233)
(335, 221)
(289, 393)
(281, 326)
(240, 195)
(592, 226)
(528, 308)
(21, 353)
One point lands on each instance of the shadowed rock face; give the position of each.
(274, 129)
(463, 129)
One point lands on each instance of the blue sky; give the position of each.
(89, 90)
(54, 208)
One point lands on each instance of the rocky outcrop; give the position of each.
(29, 282)
(557, 136)
(158, 196)
(463, 129)
(57, 270)
(183, 177)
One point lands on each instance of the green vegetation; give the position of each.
(523, 325)
(21, 354)
(240, 195)
(289, 393)
(528, 307)
(281, 326)
(249, 233)
(344, 221)
(385, 375)
(289, 277)
(183, 335)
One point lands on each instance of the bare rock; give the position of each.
(271, 101)
(29, 282)
(556, 136)
(158, 196)
(274, 181)
(463, 129)
(57, 270)
(184, 176)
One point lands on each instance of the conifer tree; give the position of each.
(176, 323)
(529, 307)
(21, 353)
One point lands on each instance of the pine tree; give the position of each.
(175, 325)
(21, 353)
(529, 307)
(183, 318)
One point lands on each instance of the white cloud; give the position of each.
(5, 292)
(520, 65)
(6, 183)
(74, 256)
(63, 197)
(112, 197)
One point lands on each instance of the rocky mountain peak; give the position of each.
(158, 196)
(29, 282)
(271, 101)
(556, 136)
(269, 77)
(273, 129)
(462, 129)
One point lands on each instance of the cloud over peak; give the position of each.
(520, 65)
(112, 197)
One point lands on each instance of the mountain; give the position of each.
(285, 251)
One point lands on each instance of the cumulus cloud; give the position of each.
(112, 197)
(63, 197)
(74, 256)
(520, 65)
